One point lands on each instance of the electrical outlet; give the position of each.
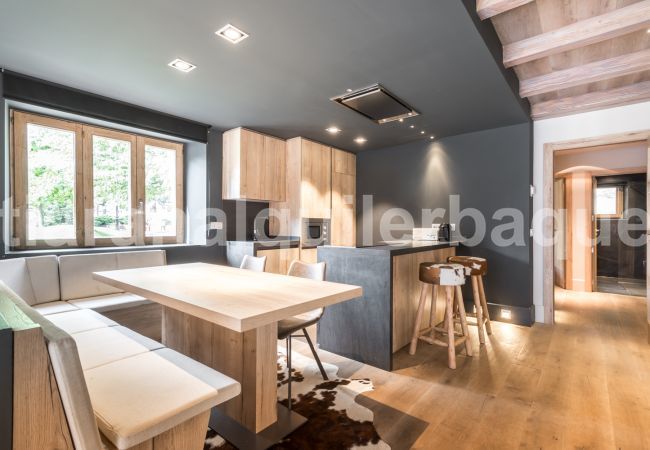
(216, 226)
(452, 226)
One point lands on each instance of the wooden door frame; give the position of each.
(548, 177)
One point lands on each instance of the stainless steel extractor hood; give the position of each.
(377, 104)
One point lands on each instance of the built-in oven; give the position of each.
(315, 232)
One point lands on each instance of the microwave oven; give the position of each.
(315, 232)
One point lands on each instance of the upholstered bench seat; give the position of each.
(109, 344)
(80, 320)
(139, 397)
(110, 302)
(54, 308)
(129, 387)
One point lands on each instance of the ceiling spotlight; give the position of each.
(422, 132)
(412, 126)
(401, 120)
(432, 137)
(232, 34)
(333, 130)
(181, 65)
(361, 140)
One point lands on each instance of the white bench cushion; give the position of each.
(13, 272)
(54, 308)
(80, 320)
(44, 275)
(105, 345)
(111, 302)
(139, 397)
(145, 258)
(77, 275)
(69, 377)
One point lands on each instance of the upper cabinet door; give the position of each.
(316, 195)
(343, 231)
(253, 166)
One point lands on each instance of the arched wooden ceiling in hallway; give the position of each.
(574, 55)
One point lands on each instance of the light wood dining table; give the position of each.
(227, 319)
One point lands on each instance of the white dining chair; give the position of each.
(254, 263)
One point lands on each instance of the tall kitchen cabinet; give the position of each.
(344, 189)
(321, 184)
(254, 166)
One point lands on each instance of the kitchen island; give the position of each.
(371, 328)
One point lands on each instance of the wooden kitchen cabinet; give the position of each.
(315, 189)
(254, 166)
(343, 223)
(279, 260)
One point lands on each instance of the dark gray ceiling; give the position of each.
(300, 53)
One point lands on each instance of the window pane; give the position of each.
(111, 187)
(606, 201)
(50, 183)
(160, 191)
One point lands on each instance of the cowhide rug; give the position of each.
(335, 420)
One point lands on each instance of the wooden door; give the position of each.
(343, 227)
(316, 180)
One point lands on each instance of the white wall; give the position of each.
(587, 125)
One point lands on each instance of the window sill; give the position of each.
(74, 251)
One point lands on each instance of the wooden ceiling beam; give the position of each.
(588, 73)
(579, 34)
(626, 95)
(490, 8)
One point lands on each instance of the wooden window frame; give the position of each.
(89, 198)
(84, 196)
(620, 203)
(143, 141)
(19, 179)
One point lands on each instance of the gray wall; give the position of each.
(489, 170)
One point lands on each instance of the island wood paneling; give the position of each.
(406, 293)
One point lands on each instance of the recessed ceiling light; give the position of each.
(349, 90)
(648, 31)
(412, 126)
(232, 34)
(421, 132)
(401, 120)
(361, 140)
(181, 65)
(333, 130)
(432, 137)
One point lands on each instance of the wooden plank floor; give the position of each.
(583, 383)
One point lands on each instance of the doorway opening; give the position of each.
(621, 247)
(599, 196)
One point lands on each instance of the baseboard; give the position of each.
(519, 315)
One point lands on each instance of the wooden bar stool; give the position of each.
(478, 269)
(451, 277)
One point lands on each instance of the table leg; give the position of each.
(249, 357)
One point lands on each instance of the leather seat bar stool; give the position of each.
(287, 327)
(450, 277)
(478, 269)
